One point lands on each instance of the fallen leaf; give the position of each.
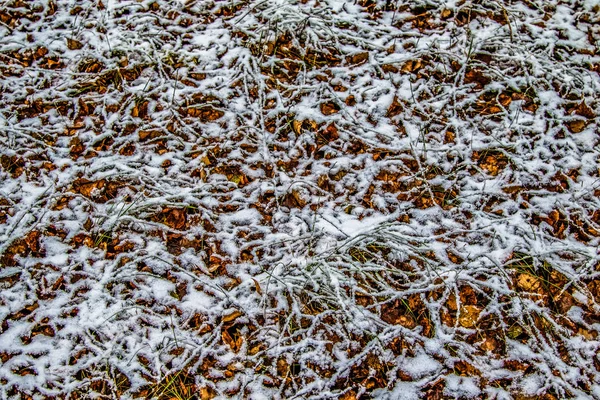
(449, 137)
(584, 110)
(350, 100)
(468, 316)
(235, 344)
(257, 286)
(330, 133)
(395, 108)
(477, 77)
(351, 395)
(514, 331)
(207, 394)
(446, 13)
(73, 44)
(411, 66)
(329, 108)
(86, 187)
(231, 317)
(489, 344)
(466, 369)
(24, 371)
(357, 59)
(297, 127)
(293, 199)
(174, 217)
(576, 126)
(528, 283)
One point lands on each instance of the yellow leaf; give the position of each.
(257, 286)
(231, 317)
(469, 316)
(297, 127)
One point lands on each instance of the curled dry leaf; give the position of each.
(584, 110)
(232, 317)
(257, 286)
(297, 127)
(294, 199)
(412, 66)
(395, 108)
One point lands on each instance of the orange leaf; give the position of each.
(329, 108)
(232, 317)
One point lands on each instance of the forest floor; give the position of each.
(313, 199)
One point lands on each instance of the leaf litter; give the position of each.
(299, 199)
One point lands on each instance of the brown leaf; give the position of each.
(446, 13)
(77, 147)
(52, 63)
(177, 351)
(489, 344)
(395, 108)
(9, 280)
(350, 100)
(229, 340)
(73, 44)
(149, 134)
(411, 66)
(514, 365)
(504, 99)
(25, 311)
(24, 371)
(392, 314)
(59, 283)
(330, 133)
(477, 76)
(576, 126)
(455, 258)
(584, 110)
(45, 330)
(492, 161)
(207, 393)
(205, 114)
(329, 108)
(389, 68)
(466, 369)
(357, 59)
(293, 200)
(5, 356)
(88, 188)
(174, 217)
(140, 109)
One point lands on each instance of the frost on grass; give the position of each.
(299, 199)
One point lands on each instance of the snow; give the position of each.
(342, 239)
(461, 387)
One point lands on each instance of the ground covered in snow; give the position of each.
(299, 199)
